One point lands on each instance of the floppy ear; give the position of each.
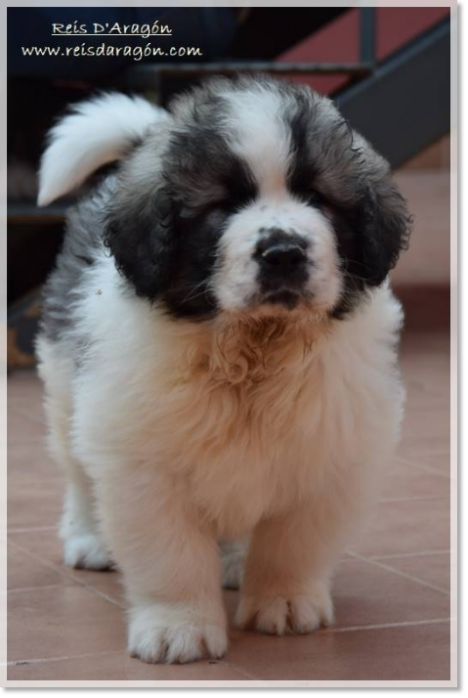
(384, 228)
(142, 239)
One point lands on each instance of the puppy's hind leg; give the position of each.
(233, 554)
(83, 546)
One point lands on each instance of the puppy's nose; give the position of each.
(281, 254)
(286, 255)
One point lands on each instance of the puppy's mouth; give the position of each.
(285, 297)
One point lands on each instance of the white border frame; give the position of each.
(454, 357)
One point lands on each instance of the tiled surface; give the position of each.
(391, 590)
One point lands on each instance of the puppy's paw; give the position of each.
(156, 635)
(86, 551)
(288, 614)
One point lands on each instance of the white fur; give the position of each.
(258, 134)
(187, 438)
(261, 424)
(95, 133)
(164, 634)
(236, 281)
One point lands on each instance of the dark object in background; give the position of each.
(23, 318)
(26, 135)
(266, 34)
(31, 254)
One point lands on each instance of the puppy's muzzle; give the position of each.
(283, 265)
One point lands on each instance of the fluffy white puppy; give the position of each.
(218, 348)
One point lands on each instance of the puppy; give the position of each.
(218, 347)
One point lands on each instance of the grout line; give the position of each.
(30, 530)
(418, 498)
(70, 576)
(357, 628)
(100, 593)
(424, 468)
(417, 455)
(45, 660)
(441, 451)
(427, 470)
(26, 441)
(17, 471)
(36, 588)
(376, 563)
(418, 554)
(22, 412)
(385, 626)
(240, 670)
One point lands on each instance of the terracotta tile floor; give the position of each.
(391, 589)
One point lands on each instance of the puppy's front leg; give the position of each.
(171, 568)
(287, 574)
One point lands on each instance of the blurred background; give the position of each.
(387, 68)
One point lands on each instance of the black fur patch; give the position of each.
(143, 242)
(166, 245)
(81, 241)
(372, 229)
(188, 292)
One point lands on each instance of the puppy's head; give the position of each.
(257, 198)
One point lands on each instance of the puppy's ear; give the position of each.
(142, 239)
(384, 228)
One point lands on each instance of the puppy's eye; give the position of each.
(225, 207)
(315, 198)
(230, 205)
(215, 215)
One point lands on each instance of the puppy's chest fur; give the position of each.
(248, 419)
(242, 416)
(240, 404)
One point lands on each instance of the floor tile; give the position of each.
(425, 434)
(25, 571)
(120, 667)
(25, 395)
(49, 549)
(433, 569)
(406, 527)
(61, 622)
(416, 455)
(366, 594)
(34, 504)
(417, 653)
(31, 461)
(23, 429)
(402, 481)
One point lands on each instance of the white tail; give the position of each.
(95, 133)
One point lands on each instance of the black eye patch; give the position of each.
(239, 185)
(203, 168)
(302, 178)
(315, 198)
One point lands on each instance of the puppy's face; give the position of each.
(259, 199)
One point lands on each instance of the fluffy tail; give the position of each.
(96, 132)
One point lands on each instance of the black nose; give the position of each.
(286, 256)
(281, 254)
